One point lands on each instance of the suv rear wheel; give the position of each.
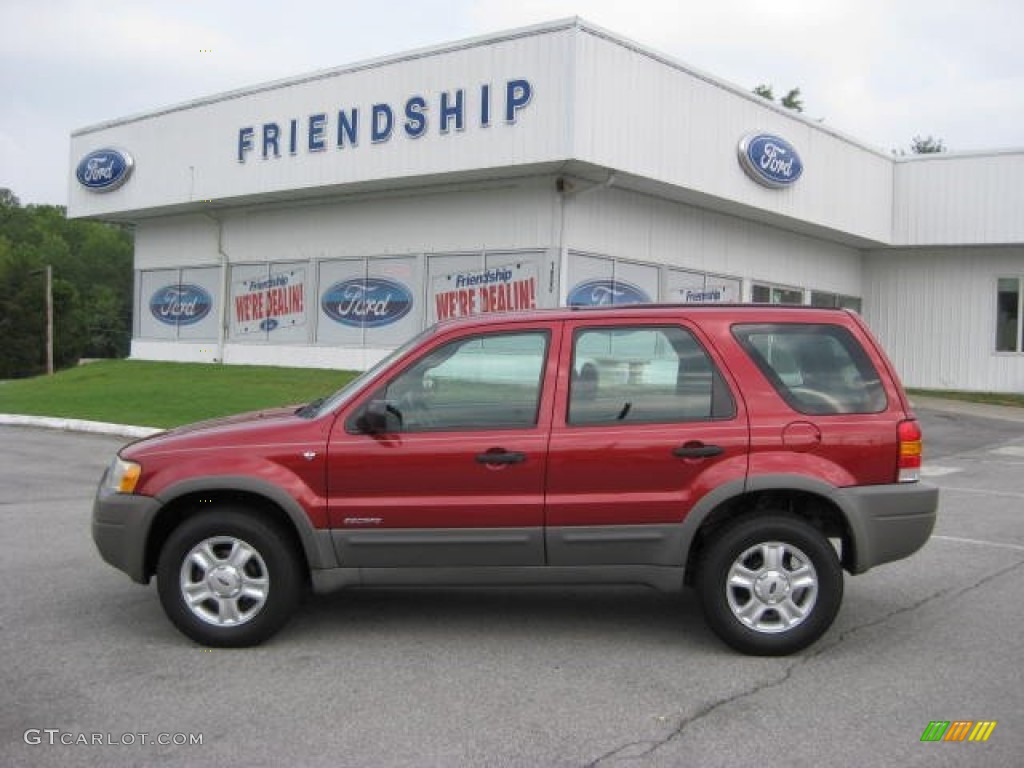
(770, 585)
(228, 579)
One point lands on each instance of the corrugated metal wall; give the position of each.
(934, 310)
(634, 226)
(517, 214)
(655, 119)
(960, 199)
(188, 154)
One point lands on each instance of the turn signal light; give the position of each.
(910, 452)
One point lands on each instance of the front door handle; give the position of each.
(697, 450)
(498, 456)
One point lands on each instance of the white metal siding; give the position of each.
(633, 226)
(960, 199)
(641, 115)
(178, 241)
(515, 216)
(189, 154)
(934, 311)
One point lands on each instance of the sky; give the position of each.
(880, 71)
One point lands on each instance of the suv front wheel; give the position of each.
(770, 585)
(228, 579)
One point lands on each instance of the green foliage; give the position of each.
(92, 287)
(987, 398)
(920, 145)
(791, 100)
(157, 394)
(926, 146)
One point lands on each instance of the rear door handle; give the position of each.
(697, 451)
(500, 457)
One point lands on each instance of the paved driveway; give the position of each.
(542, 677)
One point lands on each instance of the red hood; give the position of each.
(228, 431)
(233, 420)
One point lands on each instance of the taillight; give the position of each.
(910, 452)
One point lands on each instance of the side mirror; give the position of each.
(379, 418)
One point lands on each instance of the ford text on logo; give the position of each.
(104, 170)
(366, 303)
(602, 292)
(770, 160)
(182, 304)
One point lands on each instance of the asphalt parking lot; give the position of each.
(542, 677)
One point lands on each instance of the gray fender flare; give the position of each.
(316, 543)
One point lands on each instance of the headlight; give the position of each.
(123, 476)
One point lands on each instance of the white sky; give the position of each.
(882, 71)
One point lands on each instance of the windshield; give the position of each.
(342, 396)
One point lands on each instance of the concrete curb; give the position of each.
(76, 425)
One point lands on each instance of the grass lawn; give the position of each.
(152, 394)
(990, 398)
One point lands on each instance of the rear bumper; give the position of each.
(888, 522)
(120, 527)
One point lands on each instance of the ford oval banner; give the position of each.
(769, 160)
(180, 304)
(366, 302)
(605, 291)
(104, 170)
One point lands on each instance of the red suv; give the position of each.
(752, 452)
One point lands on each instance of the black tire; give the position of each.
(770, 585)
(242, 573)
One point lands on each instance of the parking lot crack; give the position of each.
(639, 749)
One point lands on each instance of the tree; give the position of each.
(922, 146)
(8, 199)
(926, 146)
(791, 100)
(92, 287)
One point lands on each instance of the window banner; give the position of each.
(268, 302)
(505, 288)
(683, 287)
(712, 293)
(179, 304)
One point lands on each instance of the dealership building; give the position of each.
(324, 219)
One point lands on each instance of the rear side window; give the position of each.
(817, 369)
(643, 375)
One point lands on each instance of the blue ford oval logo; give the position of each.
(598, 292)
(104, 170)
(366, 302)
(180, 304)
(770, 160)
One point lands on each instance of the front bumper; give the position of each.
(889, 522)
(120, 528)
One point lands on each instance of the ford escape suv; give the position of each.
(750, 452)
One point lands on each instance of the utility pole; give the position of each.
(49, 315)
(49, 320)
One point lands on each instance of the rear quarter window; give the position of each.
(818, 369)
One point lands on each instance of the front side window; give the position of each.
(644, 375)
(482, 382)
(817, 369)
(1009, 312)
